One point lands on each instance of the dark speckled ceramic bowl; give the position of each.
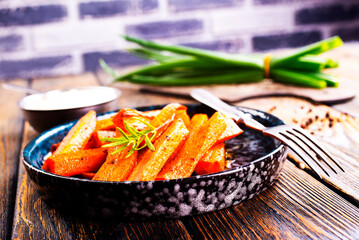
(259, 162)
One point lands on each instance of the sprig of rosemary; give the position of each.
(134, 138)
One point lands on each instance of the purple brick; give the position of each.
(327, 14)
(347, 34)
(275, 1)
(114, 59)
(34, 67)
(231, 46)
(32, 15)
(148, 5)
(297, 39)
(184, 5)
(266, 1)
(10, 43)
(164, 29)
(105, 9)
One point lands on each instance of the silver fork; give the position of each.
(302, 144)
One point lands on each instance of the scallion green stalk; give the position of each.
(179, 65)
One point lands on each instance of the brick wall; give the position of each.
(47, 38)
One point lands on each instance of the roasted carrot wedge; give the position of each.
(105, 124)
(151, 113)
(95, 140)
(182, 114)
(213, 161)
(162, 128)
(166, 113)
(87, 175)
(197, 144)
(105, 134)
(151, 162)
(117, 167)
(197, 120)
(74, 163)
(54, 147)
(231, 131)
(79, 134)
(131, 116)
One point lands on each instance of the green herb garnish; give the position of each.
(180, 65)
(138, 139)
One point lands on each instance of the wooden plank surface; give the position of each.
(11, 124)
(299, 208)
(296, 207)
(337, 131)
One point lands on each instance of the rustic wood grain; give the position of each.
(336, 130)
(239, 92)
(296, 207)
(11, 124)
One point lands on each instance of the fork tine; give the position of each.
(320, 147)
(301, 146)
(318, 151)
(312, 147)
(300, 153)
(296, 139)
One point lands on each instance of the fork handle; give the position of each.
(214, 102)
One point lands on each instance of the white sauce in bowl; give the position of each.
(69, 98)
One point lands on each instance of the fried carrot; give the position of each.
(197, 120)
(105, 124)
(54, 147)
(79, 134)
(105, 134)
(151, 113)
(74, 163)
(133, 117)
(213, 161)
(95, 140)
(151, 162)
(197, 144)
(232, 130)
(117, 167)
(87, 175)
(162, 128)
(182, 114)
(166, 113)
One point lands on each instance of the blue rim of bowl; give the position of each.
(29, 147)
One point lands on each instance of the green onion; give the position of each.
(200, 54)
(180, 66)
(239, 77)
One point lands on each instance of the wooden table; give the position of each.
(297, 206)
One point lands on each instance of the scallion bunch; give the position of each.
(180, 65)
